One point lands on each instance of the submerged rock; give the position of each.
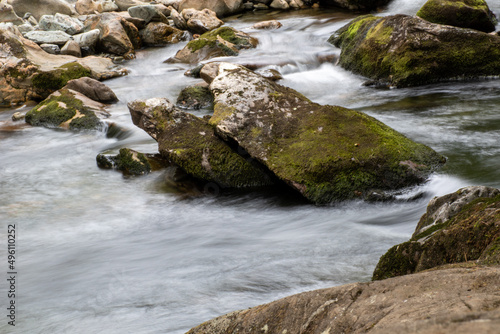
(326, 153)
(224, 41)
(272, 24)
(402, 51)
(448, 301)
(473, 14)
(128, 161)
(458, 227)
(190, 142)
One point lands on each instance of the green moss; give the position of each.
(132, 163)
(195, 97)
(398, 261)
(48, 82)
(221, 112)
(210, 39)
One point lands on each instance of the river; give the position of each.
(98, 252)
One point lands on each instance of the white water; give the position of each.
(100, 253)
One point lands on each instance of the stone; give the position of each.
(447, 301)
(93, 89)
(18, 116)
(65, 23)
(41, 7)
(103, 6)
(220, 7)
(71, 48)
(69, 110)
(195, 97)
(160, 34)
(88, 39)
(474, 14)
(326, 153)
(260, 6)
(201, 21)
(148, 13)
(209, 71)
(191, 143)
(25, 27)
(128, 161)
(270, 74)
(279, 4)
(124, 5)
(402, 51)
(209, 45)
(7, 14)
(272, 24)
(458, 227)
(355, 5)
(48, 37)
(179, 21)
(51, 48)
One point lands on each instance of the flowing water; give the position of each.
(101, 253)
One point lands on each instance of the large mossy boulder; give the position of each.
(67, 109)
(473, 14)
(458, 227)
(327, 153)
(361, 5)
(224, 41)
(190, 142)
(402, 51)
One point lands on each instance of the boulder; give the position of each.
(25, 27)
(191, 143)
(124, 5)
(403, 51)
(88, 39)
(220, 7)
(272, 24)
(7, 14)
(224, 41)
(92, 89)
(355, 5)
(201, 21)
(179, 21)
(41, 7)
(128, 161)
(48, 37)
(29, 73)
(65, 23)
(51, 48)
(448, 301)
(148, 13)
(71, 48)
(160, 34)
(195, 97)
(326, 153)
(67, 109)
(474, 14)
(458, 227)
(279, 4)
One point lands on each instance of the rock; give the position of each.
(272, 24)
(260, 6)
(88, 39)
(18, 116)
(51, 48)
(67, 109)
(25, 27)
(168, 3)
(195, 97)
(190, 142)
(201, 21)
(474, 14)
(279, 4)
(7, 14)
(71, 48)
(160, 34)
(460, 300)
(30, 19)
(48, 37)
(92, 89)
(209, 45)
(124, 5)
(209, 71)
(41, 7)
(364, 5)
(296, 4)
(65, 23)
(128, 161)
(148, 13)
(403, 51)
(270, 74)
(220, 7)
(29, 73)
(179, 21)
(457, 227)
(326, 153)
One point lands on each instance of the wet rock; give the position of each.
(326, 153)
(92, 89)
(128, 161)
(148, 13)
(41, 7)
(405, 51)
(270, 74)
(272, 24)
(201, 21)
(7, 14)
(364, 5)
(448, 301)
(209, 71)
(178, 19)
(71, 48)
(191, 143)
(48, 37)
(458, 227)
(195, 97)
(18, 116)
(65, 23)
(160, 34)
(220, 7)
(67, 109)
(473, 14)
(224, 41)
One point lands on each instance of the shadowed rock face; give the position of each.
(326, 153)
(363, 5)
(405, 51)
(464, 300)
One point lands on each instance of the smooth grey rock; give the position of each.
(61, 22)
(87, 39)
(48, 37)
(201, 21)
(93, 89)
(147, 13)
(51, 48)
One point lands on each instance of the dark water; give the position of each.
(101, 253)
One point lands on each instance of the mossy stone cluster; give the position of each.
(195, 97)
(209, 39)
(404, 51)
(128, 161)
(474, 14)
(44, 83)
(473, 234)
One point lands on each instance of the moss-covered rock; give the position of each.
(473, 14)
(363, 5)
(458, 227)
(67, 109)
(47, 82)
(161, 34)
(224, 41)
(195, 97)
(190, 142)
(128, 161)
(405, 51)
(327, 153)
